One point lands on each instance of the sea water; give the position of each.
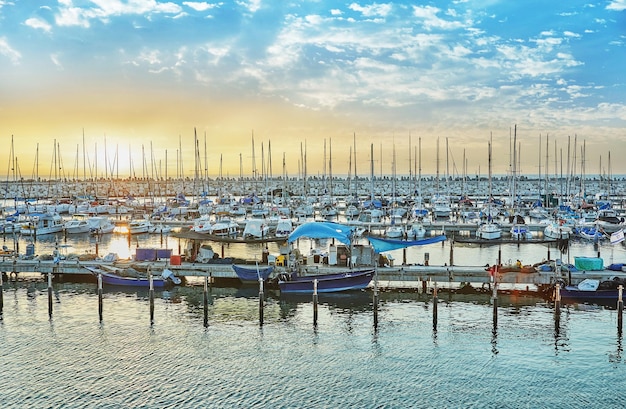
(528, 357)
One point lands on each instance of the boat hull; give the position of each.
(327, 283)
(250, 275)
(117, 280)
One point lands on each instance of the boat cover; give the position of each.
(589, 263)
(322, 230)
(381, 245)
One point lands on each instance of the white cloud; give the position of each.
(5, 49)
(371, 10)
(336, 12)
(56, 61)
(251, 5)
(617, 5)
(429, 15)
(201, 6)
(69, 15)
(38, 23)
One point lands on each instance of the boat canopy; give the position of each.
(322, 230)
(381, 245)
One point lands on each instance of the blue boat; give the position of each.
(594, 291)
(326, 283)
(135, 280)
(249, 274)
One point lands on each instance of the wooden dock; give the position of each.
(394, 276)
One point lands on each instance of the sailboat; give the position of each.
(489, 230)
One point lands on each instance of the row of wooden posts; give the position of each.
(494, 299)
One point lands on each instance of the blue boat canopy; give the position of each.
(381, 245)
(322, 230)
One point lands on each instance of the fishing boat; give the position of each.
(594, 291)
(252, 274)
(325, 283)
(132, 278)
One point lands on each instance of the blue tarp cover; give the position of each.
(381, 245)
(322, 230)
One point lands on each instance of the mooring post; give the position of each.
(206, 301)
(375, 300)
(50, 294)
(494, 300)
(452, 251)
(97, 242)
(150, 280)
(261, 301)
(1, 293)
(620, 307)
(100, 296)
(435, 302)
(315, 302)
(557, 299)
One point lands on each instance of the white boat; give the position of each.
(140, 226)
(489, 231)
(609, 221)
(396, 229)
(256, 228)
(557, 230)
(284, 227)
(417, 231)
(78, 224)
(160, 228)
(41, 223)
(521, 232)
(224, 227)
(440, 207)
(100, 225)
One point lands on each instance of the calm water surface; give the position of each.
(526, 360)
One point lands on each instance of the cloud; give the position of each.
(251, 5)
(429, 16)
(7, 51)
(38, 23)
(201, 6)
(69, 15)
(371, 10)
(617, 5)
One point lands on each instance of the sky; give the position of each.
(159, 88)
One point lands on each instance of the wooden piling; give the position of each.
(452, 252)
(1, 293)
(315, 302)
(375, 301)
(435, 302)
(206, 301)
(100, 296)
(620, 307)
(557, 299)
(494, 300)
(151, 295)
(50, 294)
(261, 301)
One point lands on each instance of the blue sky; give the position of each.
(146, 73)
